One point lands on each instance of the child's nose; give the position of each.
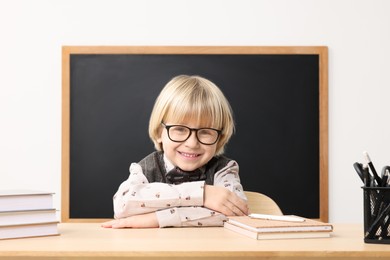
(192, 141)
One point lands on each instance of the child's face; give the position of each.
(190, 154)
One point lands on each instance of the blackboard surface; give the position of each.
(275, 99)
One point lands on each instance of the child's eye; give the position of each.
(180, 130)
(205, 132)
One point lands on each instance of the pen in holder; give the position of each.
(376, 201)
(376, 215)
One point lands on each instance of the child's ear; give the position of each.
(159, 139)
(160, 144)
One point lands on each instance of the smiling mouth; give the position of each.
(189, 155)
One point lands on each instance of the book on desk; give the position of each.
(27, 213)
(277, 229)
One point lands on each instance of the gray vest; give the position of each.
(153, 167)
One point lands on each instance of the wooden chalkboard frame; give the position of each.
(321, 51)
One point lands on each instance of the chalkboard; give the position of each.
(278, 95)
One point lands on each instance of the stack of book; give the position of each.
(26, 213)
(278, 227)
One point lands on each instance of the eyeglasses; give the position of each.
(180, 133)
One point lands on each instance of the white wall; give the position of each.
(357, 33)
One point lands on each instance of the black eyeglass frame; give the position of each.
(219, 132)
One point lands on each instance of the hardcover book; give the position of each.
(12, 200)
(29, 230)
(27, 217)
(276, 229)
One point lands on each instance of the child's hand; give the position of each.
(138, 221)
(224, 201)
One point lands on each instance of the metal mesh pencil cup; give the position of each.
(376, 215)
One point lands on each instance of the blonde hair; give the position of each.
(192, 98)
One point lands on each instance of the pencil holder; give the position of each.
(376, 215)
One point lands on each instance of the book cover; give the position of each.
(276, 235)
(13, 200)
(265, 225)
(27, 217)
(29, 230)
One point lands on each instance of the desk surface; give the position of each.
(89, 240)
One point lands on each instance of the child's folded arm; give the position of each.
(189, 216)
(137, 196)
(229, 178)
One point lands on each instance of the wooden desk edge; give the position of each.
(198, 255)
(341, 233)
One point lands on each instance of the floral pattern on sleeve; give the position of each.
(175, 205)
(137, 196)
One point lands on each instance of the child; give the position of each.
(187, 181)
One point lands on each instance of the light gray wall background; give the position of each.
(357, 33)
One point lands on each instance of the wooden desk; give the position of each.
(89, 240)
